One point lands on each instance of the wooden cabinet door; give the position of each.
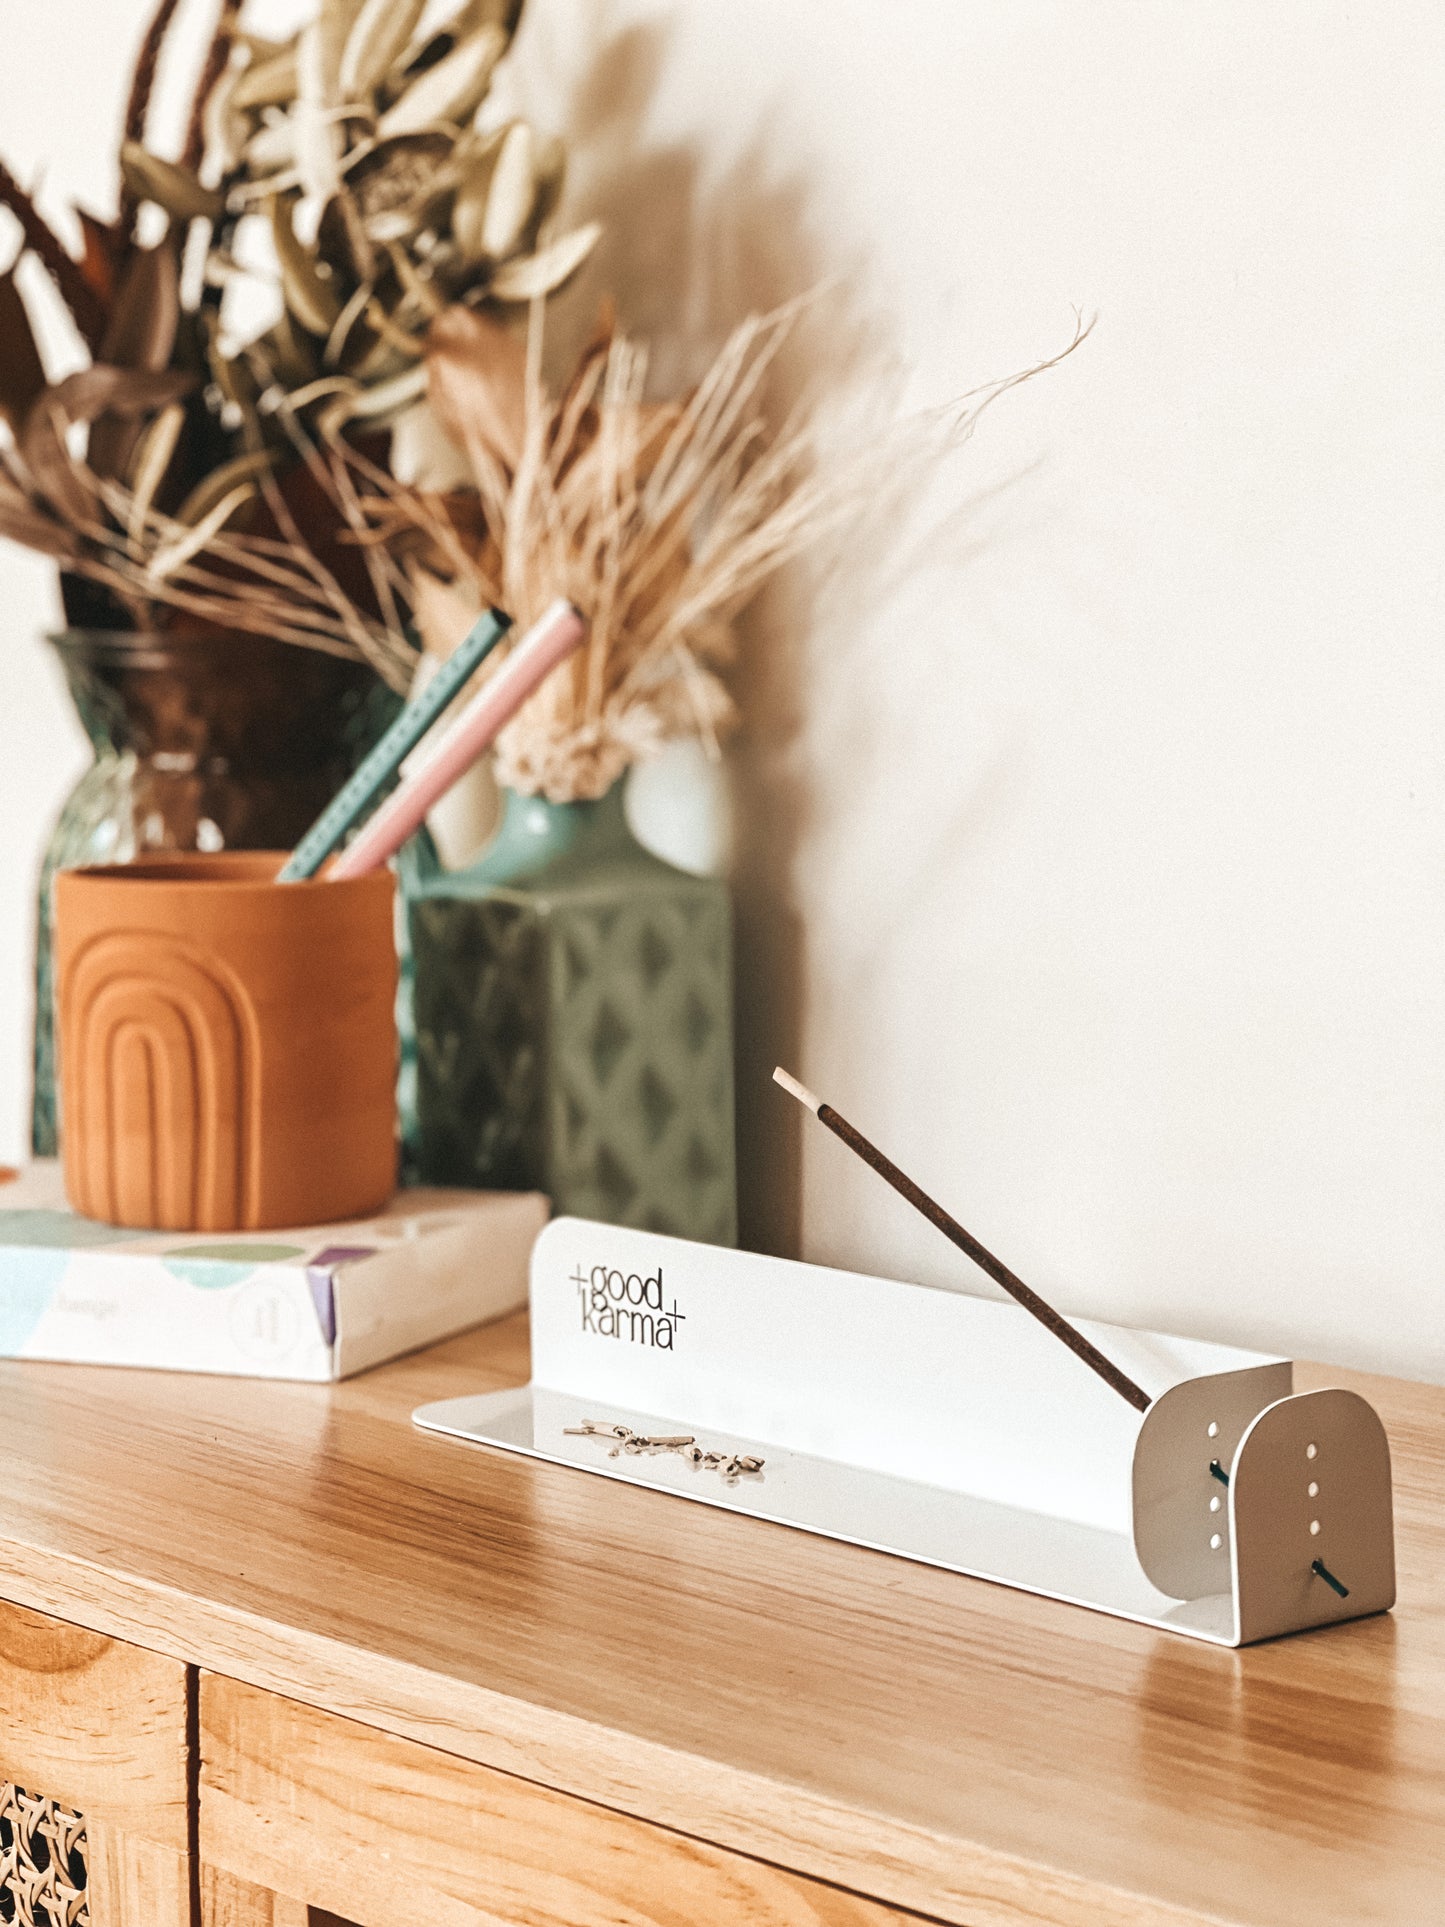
(94, 1802)
(389, 1833)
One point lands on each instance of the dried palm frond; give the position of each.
(235, 555)
(659, 520)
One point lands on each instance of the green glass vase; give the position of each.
(573, 1022)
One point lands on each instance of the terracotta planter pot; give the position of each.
(210, 741)
(227, 1044)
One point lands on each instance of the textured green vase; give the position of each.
(573, 1022)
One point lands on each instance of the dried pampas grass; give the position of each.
(659, 520)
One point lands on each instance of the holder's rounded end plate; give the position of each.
(1182, 1528)
(1311, 1488)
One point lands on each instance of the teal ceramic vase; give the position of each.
(573, 1022)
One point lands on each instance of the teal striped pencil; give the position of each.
(361, 793)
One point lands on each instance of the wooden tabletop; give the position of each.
(944, 1744)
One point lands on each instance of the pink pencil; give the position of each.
(549, 641)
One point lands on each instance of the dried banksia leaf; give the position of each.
(310, 298)
(318, 138)
(532, 275)
(259, 46)
(287, 352)
(510, 194)
(550, 165)
(146, 314)
(449, 91)
(333, 23)
(272, 146)
(223, 128)
(105, 390)
(152, 458)
(469, 209)
(267, 83)
(53, 471)
(173, 188)
(104, 397)
(235, 383)
(381, 35)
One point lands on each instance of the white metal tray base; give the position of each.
(954, 1431)
(1082, 1565)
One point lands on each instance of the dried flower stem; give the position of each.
(255, 584)
(143, 76)
(214, 65)
(137, 106)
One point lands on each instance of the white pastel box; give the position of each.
(318, 1303)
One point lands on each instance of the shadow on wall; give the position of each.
(688, 252)
(686, 260)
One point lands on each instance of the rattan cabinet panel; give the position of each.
(93, 1779)
(43, 1877)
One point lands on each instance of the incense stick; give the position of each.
(936, 1215)
(359, 796)
(448, 753)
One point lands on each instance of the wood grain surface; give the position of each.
(937, 1743)
(393, 1831)
(135, 1882)
(100, 1726)
(227, 1900)
(97, 1725)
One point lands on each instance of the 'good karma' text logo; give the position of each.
(620, 1304)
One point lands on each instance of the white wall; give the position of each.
(1094, 821)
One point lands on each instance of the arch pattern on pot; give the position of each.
(161, 1081)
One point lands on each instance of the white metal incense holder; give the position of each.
(952, 1430)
